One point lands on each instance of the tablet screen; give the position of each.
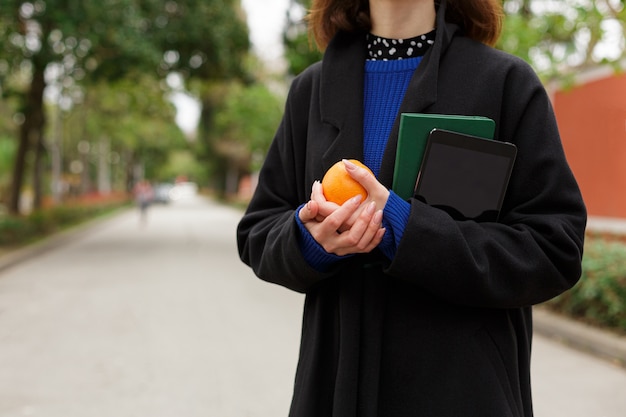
(465, 175)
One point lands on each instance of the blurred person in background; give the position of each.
(143, 197)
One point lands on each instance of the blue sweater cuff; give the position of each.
(395, 217)
(313, 252)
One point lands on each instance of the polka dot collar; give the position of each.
(379, 48)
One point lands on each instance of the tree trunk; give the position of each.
(38, 170)
(526, 9)
(56, 158)
(31, 134)
(18, 169)
(104, 167)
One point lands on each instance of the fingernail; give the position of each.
(378, 217)
(349, 165)
(308, 205)
(371, 207)
(356, 200)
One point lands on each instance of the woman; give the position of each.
(408, 311)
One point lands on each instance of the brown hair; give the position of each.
(481, 19)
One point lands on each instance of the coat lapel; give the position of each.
(341, 95)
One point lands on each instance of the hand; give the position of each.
(352, 227)
(376, 192)
(364, 235)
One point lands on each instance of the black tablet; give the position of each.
(465, 175)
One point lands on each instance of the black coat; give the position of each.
(445, 328)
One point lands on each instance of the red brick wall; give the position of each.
(592, 121)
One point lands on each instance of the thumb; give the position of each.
(309, 211)
(375, 190)
(361, 175)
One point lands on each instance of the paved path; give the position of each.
(163, 320)
(569, 383)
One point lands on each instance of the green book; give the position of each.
(413, 136)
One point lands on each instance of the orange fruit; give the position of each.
(339, 186)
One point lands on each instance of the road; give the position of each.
(162, 320)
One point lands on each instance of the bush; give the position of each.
(599, 298)
(13, 230)
(19, 230)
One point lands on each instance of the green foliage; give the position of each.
(209, 38)
(299, 50)
(561, 38)
(246, 122)
(7, 151)
(82, 45)
(600, 296)
(181, 163)
(109, 38)
(134, 116)
(14, 230)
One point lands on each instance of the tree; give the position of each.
(562, 38)
(245, 124)
(7, 148)
(106, 40)
(130, 120)
(299, 50)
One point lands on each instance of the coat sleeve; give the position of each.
(534, 253)
(267, 235)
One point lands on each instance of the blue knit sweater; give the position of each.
(384, 88)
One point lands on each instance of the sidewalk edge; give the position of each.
(598, 342)
(14, 257)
